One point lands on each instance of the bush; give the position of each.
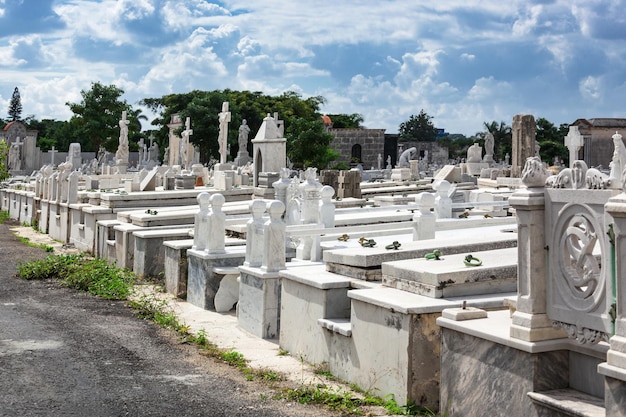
(95, 276)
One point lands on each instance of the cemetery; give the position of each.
(477, 288)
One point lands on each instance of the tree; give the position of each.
(97, 116)
(347, 121)
(551, 141)
(15, 106)
(417, 128)
(203, 108)
(4, 156)
(308, 144)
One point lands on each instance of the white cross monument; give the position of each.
(574, 141)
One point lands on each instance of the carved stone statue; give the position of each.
(406, 156)
(222, 139)
(474, 153)
(15, 162)
(244, 131)
(489, 143)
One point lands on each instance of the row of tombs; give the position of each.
(488, 315)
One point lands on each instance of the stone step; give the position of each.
(569, 402)
(450, 277)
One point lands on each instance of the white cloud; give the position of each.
(590, 88)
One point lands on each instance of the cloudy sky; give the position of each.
(463, 61)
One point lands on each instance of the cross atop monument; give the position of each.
(52, 152)
(574, 141)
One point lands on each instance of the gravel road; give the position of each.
(65, 353)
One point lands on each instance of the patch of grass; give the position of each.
(342, 401)
(282, 352)
(28, 242)
(4, 216)
(149, 307)
(95, 276)
(323, 369)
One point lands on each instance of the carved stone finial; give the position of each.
(534, 173)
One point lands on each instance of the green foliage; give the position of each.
(96, 117)
(150, 307)
(4, 160)
(4, 216)
(347, 121)
(308, 144)
(43, 246)
(95, 276)
(203, 108)
(15, 106)
(552, 141)
(418, 128)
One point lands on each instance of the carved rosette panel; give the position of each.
(582, 335)
(579, 251)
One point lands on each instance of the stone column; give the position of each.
(614, 369)
(524, 134)
(530, 321)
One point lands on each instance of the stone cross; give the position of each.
(52, 152)
(574, 141)
(222, 140)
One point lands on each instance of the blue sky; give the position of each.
(463, 62)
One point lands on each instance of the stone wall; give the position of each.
(362, 144)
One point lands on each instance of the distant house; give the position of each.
(598, 142)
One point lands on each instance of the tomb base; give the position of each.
(202, 282)
(514, 377)
(401, 174)
(258, 311)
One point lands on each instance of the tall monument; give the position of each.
(524, 132)
(224, 119)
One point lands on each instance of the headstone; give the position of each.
(148, 183)
(574, 141)
(217, 225)
(201, 228)
(443, 202)
(327, 207)
(254, 234)
(274, 236)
